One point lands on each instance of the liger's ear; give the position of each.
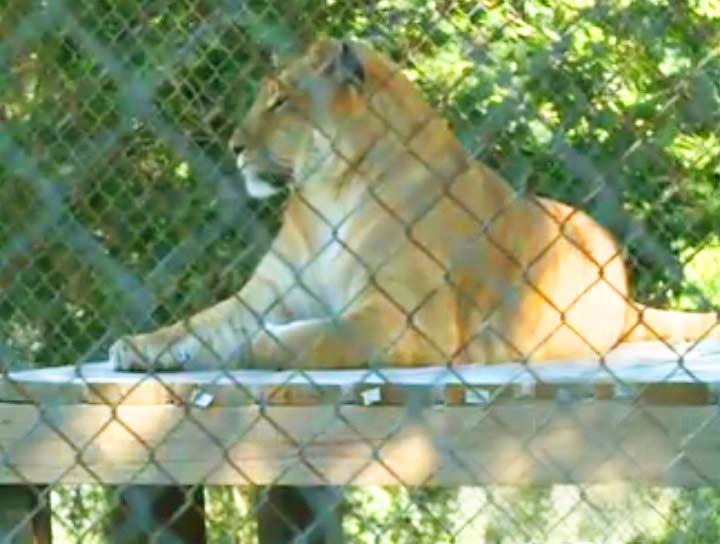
(345, 65)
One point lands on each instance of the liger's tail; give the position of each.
(644, 323)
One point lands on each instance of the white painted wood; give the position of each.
(631, 364)
(640, 417)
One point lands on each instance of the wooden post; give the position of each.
(24, 515)
(311, 515)
(172, 515)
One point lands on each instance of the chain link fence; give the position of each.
(123, 209)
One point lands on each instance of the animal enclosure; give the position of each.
(123, 210)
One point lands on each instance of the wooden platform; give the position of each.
(647, 413)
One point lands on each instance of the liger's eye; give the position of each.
(279, 102)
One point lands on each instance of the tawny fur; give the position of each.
(397, 248)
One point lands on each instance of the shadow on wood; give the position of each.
(25, 515)
(311, 515)
(164, 515)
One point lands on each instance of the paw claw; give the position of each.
(120, 355)
(145, 352)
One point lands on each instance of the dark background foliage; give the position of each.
(121, 207)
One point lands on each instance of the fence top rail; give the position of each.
(652, 372)
(647, 413)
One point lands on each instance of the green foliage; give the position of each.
(117, 114)
(80, 513)
(693, 518)
(400, 515)
(230, 517)
(702, 271)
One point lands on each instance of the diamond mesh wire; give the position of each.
(123, 211)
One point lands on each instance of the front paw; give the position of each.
(150, 352)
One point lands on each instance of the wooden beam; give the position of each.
(683, 371)
(579, 421)
(532, 442)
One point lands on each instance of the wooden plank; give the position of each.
(538, 441)
(589, 421)
(25, 514)
(630, 368)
